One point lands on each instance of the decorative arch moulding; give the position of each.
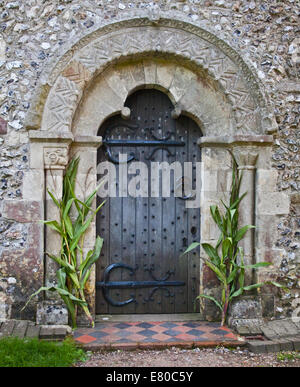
(63, 87)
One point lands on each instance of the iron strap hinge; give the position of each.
(156, 284)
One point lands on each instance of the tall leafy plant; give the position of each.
(74, 266)
(226, 258)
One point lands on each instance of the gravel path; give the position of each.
(175, 357)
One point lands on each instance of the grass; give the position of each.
(285, 356)
(15, 352)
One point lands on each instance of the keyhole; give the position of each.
(184, 242)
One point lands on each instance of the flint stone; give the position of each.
(51, 313)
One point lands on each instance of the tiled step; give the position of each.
(156, 334)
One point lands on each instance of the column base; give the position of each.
(245, 310)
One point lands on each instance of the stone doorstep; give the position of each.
(160, 345)
(245, 330)
(23, 329)
(284, 327)
(273, 329)
(271, 346)
(275, 335)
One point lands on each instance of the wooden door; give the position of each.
(141, 269)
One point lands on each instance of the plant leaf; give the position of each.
(216, 270)
(56, 202)
(226, 244)
(212, 299)
(60, 291)
(92, 258)
(232, 275)
(214, 210)
(61, 278)
(211, 252)
(62, 262)
(69, 226)
(54, 225)
(80, 232)
(240, 234)
(257, 265)
(192, 246)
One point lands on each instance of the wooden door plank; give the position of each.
(154, 118)
(102, 229)
(181, 226)
(168, 215)
(193, 267)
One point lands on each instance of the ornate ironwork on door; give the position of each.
(141, 268)
(155, 142)
(155, 284)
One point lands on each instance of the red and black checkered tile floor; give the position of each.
(152, 333)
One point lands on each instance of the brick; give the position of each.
(291, 328)
(269, 333)
(285, 345)
(22, 211)
(243, 330)
(273, 203)
(266, 180)
(7, 328)
(46, 332)
(255, 330)
(33, 331)
(295, 341)
(257, 346)
(272, 346)
(20, 329)
(60, 333)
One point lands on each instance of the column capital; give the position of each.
(245, 158)
(56, 157)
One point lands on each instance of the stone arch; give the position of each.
(143, 36)
(190, 93)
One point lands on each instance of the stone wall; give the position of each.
(35, 33)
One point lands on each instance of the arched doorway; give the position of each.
(141, 268)
(205, 78)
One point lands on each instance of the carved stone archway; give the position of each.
(203, 76)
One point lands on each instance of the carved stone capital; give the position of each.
(56, 158)
(246, 159)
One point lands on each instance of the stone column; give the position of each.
(55, 161)
(50, 152)
(246, 159)
(52, 310)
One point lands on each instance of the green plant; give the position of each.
(286, 356)
(16, 352)
(74, 268)
(226, 259)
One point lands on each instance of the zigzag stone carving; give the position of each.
(61, 105)
(196, 46)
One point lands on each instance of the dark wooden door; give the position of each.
(141, 269)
